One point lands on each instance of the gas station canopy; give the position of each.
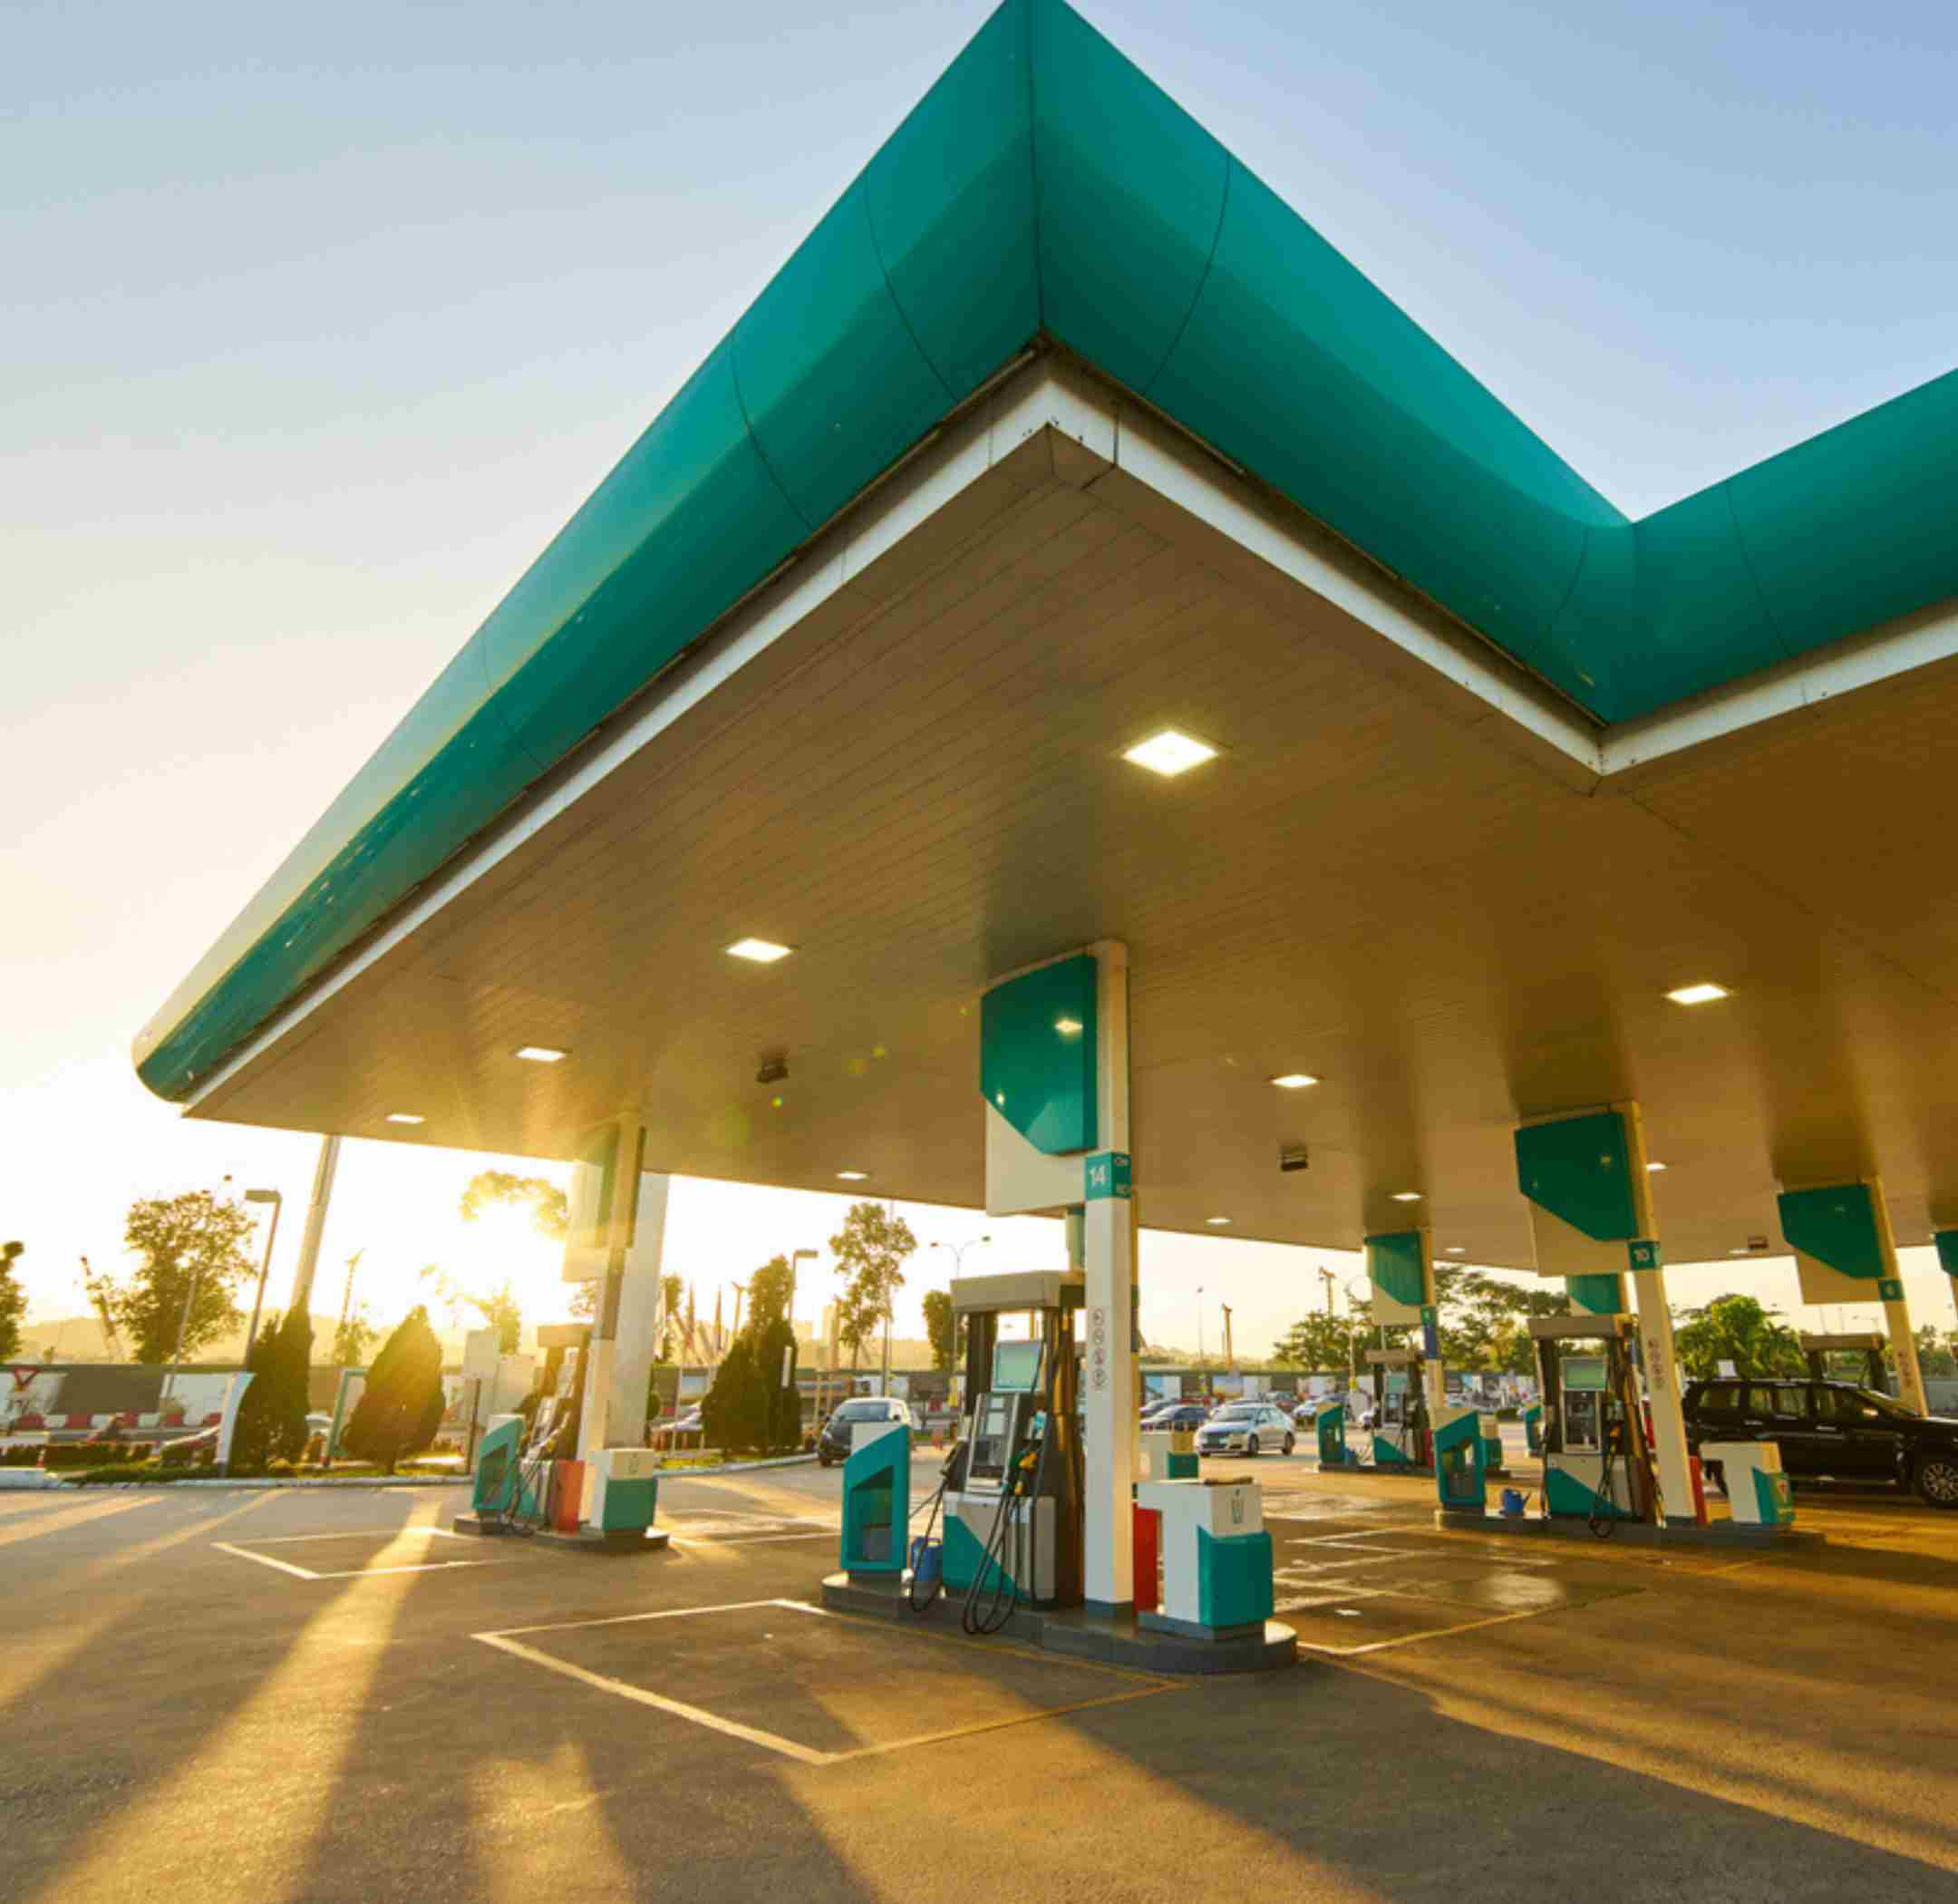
(1059, 432)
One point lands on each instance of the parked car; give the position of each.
(1828, 1428)
(833, 1444)
(1246, 1428)
(1177, 1414)
(668, 1434)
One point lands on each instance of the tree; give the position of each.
(352, 1336)
(672, 1290)
(195, 1239)
(1320, 1342)
(551, 1210)
(272, 1416)
(1737, 1329)
(401, 1407)
(1485, 1319)
(767, 1293)
(1935, 1356)
(941, 1327)
(870, 1248)
(734, 1412)
(13, 1301)
(501, 1312)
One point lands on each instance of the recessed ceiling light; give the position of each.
(1406, 1195)
(1655, 1165)
(1704, 993)
(1169, 753)
(540, 1053)
(851, 1176)
(1455, 1249)
(1737, 1252)
(1068, 1027)
(405, 1117)
(761, 951)
(1295, 1081)
(1217, 1222)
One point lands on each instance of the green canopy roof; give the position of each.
(1045, 188)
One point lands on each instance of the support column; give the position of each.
(1400, 1276)
(1844, 1252)
(1108, 1393)
(323, 1172)
(605, 1204)
(1591, 1214)
(1054, 1072)
(639, 1313)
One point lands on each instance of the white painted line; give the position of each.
(679, 1709)
(1409, 1639)
(506, 1641)
(301, 1573)
(814, 1533)
(357, 1533)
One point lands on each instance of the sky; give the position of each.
(318, 324)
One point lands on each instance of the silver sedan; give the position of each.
(1246, 1428)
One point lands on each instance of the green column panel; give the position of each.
(1037, 1054)
(1837, 1226)
(1579, 1169)
(1597, 1294)
(1397, 1267)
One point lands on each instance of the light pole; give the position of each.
(1199, 1328)
(1325, 1277)
(957, 1250)
(265, 1268)
(346, 1300)
(795, 1257)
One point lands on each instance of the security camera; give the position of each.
(1292, 1157)
(775, 1069)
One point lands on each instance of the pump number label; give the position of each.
(1098, 1347)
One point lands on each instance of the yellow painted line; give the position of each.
(62, 1518)
(507, 1642)
(984, 1644)
(979, 1725)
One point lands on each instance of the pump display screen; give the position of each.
(1584, 1372)
(992, 1443)
(1016, 1367)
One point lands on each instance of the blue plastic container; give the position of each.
(1512, 1502)
(927, 1560)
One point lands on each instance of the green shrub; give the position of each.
(400, 1407)
(21, 1457)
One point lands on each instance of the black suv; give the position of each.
(1829, 1428)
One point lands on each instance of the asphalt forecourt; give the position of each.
(367, 1719)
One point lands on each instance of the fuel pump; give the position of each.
(1819, 1349)
(1401, 1437)
(1597, 1461)
(1014, 1487)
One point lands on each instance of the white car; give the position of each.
(1247, 1428)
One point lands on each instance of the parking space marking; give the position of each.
(355, 1533)
(510, 1640)
(1409, 1639)
(354, 1573)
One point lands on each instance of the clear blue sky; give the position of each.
(319, 323)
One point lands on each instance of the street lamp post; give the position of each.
(1199, 1329)
(265, 1268)
(795, 1257)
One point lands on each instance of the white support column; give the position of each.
(323, 1172)
(1656, 1339)
(1897, 1307)
(1108, 1392)
(639, 1313)
(615, 1246)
